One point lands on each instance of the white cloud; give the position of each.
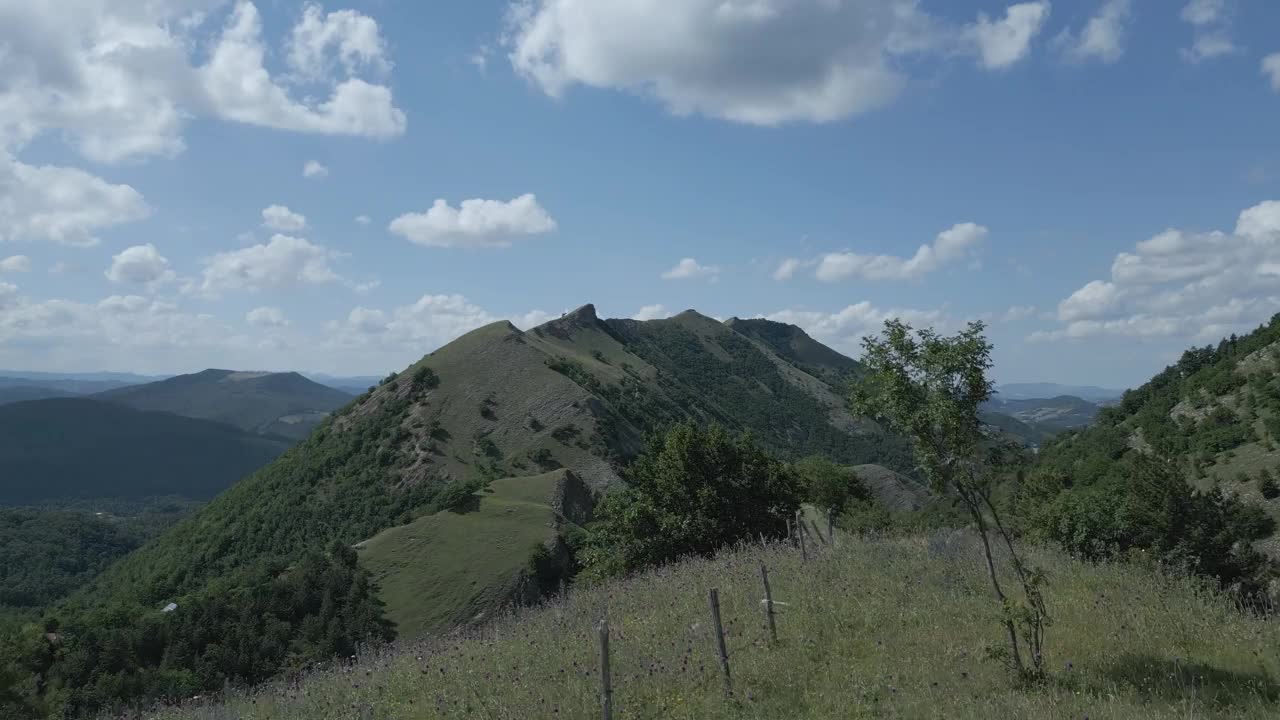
(363, 219)
(284, 262)
(1271, 68)
(139, 265)
(787, 269)
(345, 37)
(238, 87)
(688, 269)
(1018, 312)
(844, 329)
(652, 312)
(61, 205)
(1001, 43)
(118, 79)
(279, 217)
(475, 223)
(15, 263)
(267, 317)
(758, 62)
(1189, 285)
(1211, 30)
(955, 243)
(1102, 37)
(314, 169)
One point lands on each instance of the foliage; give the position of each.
(828, 485)
(45, 554)
(1267, 484)
(930, 388)
(693, 491)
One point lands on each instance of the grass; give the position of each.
(891, 628)
(446, 568)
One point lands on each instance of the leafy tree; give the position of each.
(828, 485)
(929, 387)
(693, 491)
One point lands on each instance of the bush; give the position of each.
(1267, 485)
(828, 485)
(693, 491)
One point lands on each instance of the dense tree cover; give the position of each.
(1120, 487)
(247, 626)
(725, 378)
(45, 554)
(693, 491)
(828, 485)
(66, 448)
(254, 596)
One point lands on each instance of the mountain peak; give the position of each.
(586, 314)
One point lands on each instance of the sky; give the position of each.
(343, 187)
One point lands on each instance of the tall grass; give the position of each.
(891, 628)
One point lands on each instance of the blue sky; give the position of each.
(1100, 181)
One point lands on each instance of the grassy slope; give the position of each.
(80, 448)
(877, 628)
(444, 569)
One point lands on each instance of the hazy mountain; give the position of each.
(353, 384)
(82, 448)
(1032, 391)
(1050, 415)
(21, 393)
(283, 404)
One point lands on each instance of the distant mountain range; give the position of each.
(284, 404)
(1032, 391)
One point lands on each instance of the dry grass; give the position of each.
(875, 628)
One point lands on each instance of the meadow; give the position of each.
(875, 627)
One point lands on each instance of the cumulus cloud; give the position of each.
(279, 217)
(652, 312)
(759, 62)
(1271, 68)
(314, 169)
(284, 262)
(845, 328)
(61, 205)
(956, 243)
(119, 81)
(475, 223)
(1211, 30)
(363, 220)
(689, 269)
(266, 317)
(1102, 37)
(139, 265)
(1185, 284)
(1001, 43)
(15, 263)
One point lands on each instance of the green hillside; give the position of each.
(1214, 417)
(875, 628)
(577, 393)
(1051, 415)
(66, 448)
(282, 404)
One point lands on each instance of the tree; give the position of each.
(829, 485)
(928, 388)
(693, 491)
(1267, 484)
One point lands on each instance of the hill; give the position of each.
(577, 393)
(1049, 415)
(61, 385)
(283, 404)
(1214, 416)
(22, 393)
(877, 628)
(65, 448)
(1032, 391)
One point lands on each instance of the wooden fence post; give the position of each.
(831, 528)
(804, 552)
(768, 603)
(790, 540)
(606, 681)
(714, 599)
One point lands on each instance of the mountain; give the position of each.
(68, 385)
(21, 393)
(1215, 415)
(67, 448)
(353, 385)
(1049, 415)
(1032, 391)
(496, 407)
(283, 404)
